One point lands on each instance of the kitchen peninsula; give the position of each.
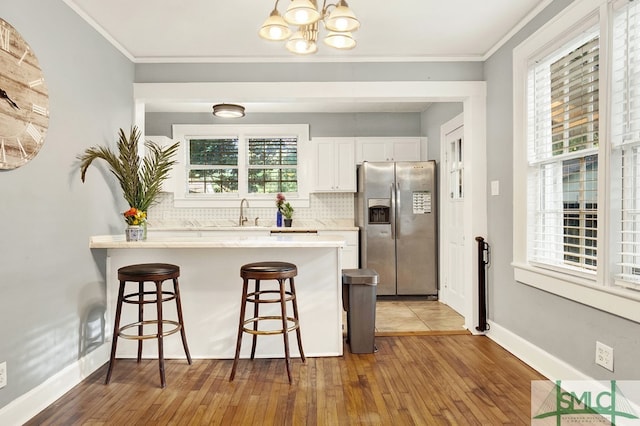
(211, 288)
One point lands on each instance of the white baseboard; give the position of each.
(26, 406)
(543, 362)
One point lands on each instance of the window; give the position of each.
(223, 164)
(273, 165)
(577, 156)
(626, 142)
(213, 166)
(563, 161)
(456, 169)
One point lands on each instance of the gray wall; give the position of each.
(52, 284)
(559, 326)
(369, 124)
(434, 117)
(326, 125)
(384, 71)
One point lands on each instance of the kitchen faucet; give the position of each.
(242, 219)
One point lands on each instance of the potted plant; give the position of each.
(284, 210)
(287, 212)
(140, 178)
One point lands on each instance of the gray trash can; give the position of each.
(359, 300)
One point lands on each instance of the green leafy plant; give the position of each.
(140, 179)
(283, 206)
(287, 210)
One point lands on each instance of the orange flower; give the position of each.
(134, 216)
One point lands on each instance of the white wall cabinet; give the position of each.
(350, 250)
(335, 165)
(387, 149)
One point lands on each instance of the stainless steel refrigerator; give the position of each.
(396, 212)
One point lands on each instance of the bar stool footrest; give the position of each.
(169, 332)
(295, 325)
(251, 297)
(134, 298)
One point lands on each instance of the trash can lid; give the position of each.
(359, 276)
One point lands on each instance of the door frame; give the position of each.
(472, 94)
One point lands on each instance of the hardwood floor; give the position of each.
(411, 380)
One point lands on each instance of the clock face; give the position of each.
(24, 100)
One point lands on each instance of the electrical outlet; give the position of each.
(3, 374)
(604, 356)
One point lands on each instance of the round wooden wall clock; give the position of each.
(24, 100)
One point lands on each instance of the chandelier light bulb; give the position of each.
(343, 41)
(298, 44)
(301, 12)
(342, 24)
(342, 19)
(274, 28)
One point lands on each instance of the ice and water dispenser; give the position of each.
(379, 210)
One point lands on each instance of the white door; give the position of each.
(452, 286)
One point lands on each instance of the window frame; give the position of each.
(178, 181)
(597, 290)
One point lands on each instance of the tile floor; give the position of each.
(397, 317)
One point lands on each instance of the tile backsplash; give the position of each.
(321, 206)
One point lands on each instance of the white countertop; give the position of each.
(236, 241)
(232, 225)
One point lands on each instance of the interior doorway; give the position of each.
(452, 208)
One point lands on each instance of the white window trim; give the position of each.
(597, 292)
(184, 132)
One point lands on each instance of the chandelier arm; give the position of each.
(325, 8)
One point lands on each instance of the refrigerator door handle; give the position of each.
(397, 210)
(392, 218)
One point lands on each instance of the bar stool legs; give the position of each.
(156, 273)
(281, 272)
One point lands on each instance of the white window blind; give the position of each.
(273, 165)
(213, 166)
(563, 95)
(625, 135)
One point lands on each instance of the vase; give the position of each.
(287, 223)
(279, 219)
(134, 233)
(144, 230)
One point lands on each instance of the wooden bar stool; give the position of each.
(279, 271)
(141, 273)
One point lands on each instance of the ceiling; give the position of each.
(226, 31)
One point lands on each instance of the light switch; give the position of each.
(495, 187)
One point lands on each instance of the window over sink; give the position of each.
(221, 164)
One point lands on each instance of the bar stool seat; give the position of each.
(157, 273)
(280, 272)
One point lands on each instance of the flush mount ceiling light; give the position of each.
(228, 111)
(337, 18)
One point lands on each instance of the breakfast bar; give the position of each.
(211, 289)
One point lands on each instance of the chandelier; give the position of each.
(304, 14)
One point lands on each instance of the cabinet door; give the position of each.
(372, 149)
(387, 149)
(406, 149)
(345, 173)
(335, 166)
(325, 165)
(350, 250)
